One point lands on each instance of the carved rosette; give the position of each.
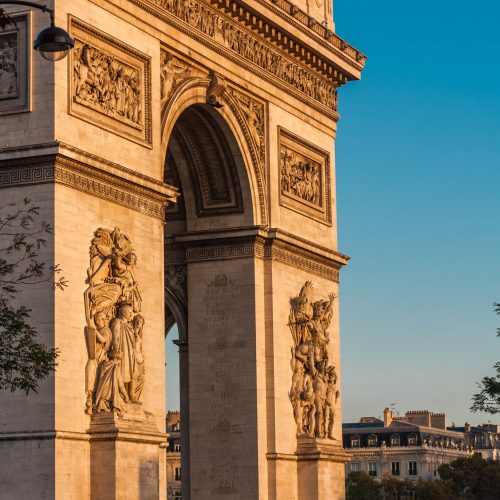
(314, 390)
(304, 172)
(114, 331)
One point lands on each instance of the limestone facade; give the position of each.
(409, 447)
(184, 113)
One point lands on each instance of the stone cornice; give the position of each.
(252, 43)
(287, 11)
(255, 242)
(62, 164)
(403, 452)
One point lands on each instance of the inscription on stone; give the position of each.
(221, 317)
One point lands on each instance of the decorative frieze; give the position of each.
(314, 390)
(110, 84)
(304, 173)
(309, 77)
(261, 247)
(15, 65)
(83, 177)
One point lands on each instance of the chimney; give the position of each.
(387, 417)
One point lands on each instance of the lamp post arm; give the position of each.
(43, 8)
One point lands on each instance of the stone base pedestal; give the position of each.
(321, 469)
(127, 456)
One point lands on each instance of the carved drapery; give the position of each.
(15, 53)
(304, 173)
(314, 390)
(110, 84)
(114, 375)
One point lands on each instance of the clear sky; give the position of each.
(418, 182)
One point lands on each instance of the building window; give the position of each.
(355, 467)
(372, 440)
(412, 440)
(395, 440)
(372, 468)
(395, 468)
(355, 442)
(177, 473)
(412, 468)
(177, 447)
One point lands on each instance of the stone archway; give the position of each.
(204, 162)
(239, 100)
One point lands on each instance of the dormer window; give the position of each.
(355, 442)
(372, 440)
(395, 440)
(412, 440)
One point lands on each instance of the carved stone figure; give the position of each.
(254, 114)
(172, 72)
(114, 332)
(102, 82)
(300, 176)
(205, 19)
(8, 65)
(314, 382)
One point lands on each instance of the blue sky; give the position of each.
(418, 181)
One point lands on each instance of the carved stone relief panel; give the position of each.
(15, 63)
(304, 174)
(314, 391)
(114, 375)
(255, 117)
(248, 46)
(173, 71)
(110, 84)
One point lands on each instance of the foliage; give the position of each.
(361, 486)
(468, 478)
(472, 478)
(23, 360)
(488, 397)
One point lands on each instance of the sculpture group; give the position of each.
(115, 366)
(103, 82)
(8, 65)
(301, 177)
(314, 381)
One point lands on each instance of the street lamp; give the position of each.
(53, 43)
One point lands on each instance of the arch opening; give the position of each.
(204, 162)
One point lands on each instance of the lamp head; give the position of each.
(53, 43)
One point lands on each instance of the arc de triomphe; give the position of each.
(190, 146)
